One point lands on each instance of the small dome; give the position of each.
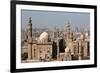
(82, 36)
(86, 34)
(43, 37)
(67, 50)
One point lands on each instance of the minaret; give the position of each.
(69, 39)
(58, 52)
(68, 34)
(29, 32)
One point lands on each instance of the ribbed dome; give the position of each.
(43, 37)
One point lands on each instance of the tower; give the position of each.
(29, 32)
(69, 35)
(69, 39)
(58, 52)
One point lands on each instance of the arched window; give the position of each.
(88, 48)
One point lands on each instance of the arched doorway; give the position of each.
(54, 52)
(62, 45)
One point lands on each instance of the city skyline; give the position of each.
(51, 19)
(55, 45)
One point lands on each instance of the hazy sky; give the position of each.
(51, 19)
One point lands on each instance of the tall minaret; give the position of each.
(58, 52)
(29, 32)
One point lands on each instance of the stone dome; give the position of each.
(43, 37)
(67, 49)
(86, 34)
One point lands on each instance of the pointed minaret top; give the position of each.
(30, 20)
(68, 27)
(68, 22)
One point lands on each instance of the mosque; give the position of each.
(61, 47)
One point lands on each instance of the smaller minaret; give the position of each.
(58, 52)
(69, 39)
(68, 34)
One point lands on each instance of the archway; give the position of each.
(62, 45)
